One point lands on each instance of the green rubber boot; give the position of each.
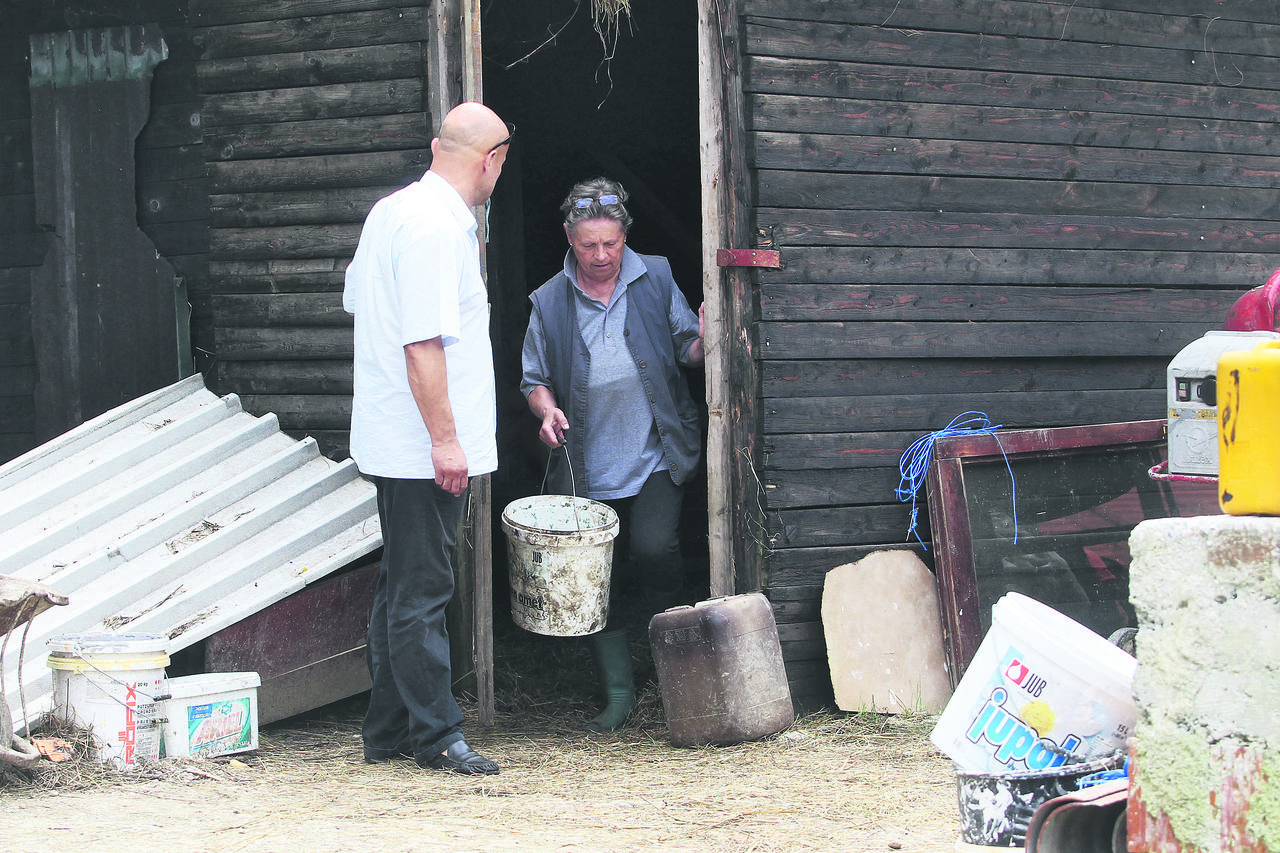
(613, 660)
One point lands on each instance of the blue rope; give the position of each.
(914, 465)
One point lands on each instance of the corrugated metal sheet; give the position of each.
(176, 514)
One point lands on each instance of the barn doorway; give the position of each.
(585, 109)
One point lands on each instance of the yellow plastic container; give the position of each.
(1249, 430)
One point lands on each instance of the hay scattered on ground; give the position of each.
(833, 780)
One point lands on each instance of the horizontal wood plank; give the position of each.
(789, 489)
(327, 136)
(833, 526)
(311, 68)
(795, 604)
(989, 51)
(311, 103)
(968, 340)
(817, 301)
(977, 155)
(302, 207)
(280, 309)
(1014, 266)
(839, 450)
(232, 344)
(806, 567)
(1150, 27)
(286, 241)
(1260, 11)
(1075, 111)
(265, 281)
(321, 31)
(917, 228)
(841, 191)
(856, 377)
(934, 411)
(288, 377)
(330, 171)
(303, 412)
(212, 12)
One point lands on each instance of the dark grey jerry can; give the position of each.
(720, 669)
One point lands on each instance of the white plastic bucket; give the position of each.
(1041, 691)
(214, 713)
(109, 684)
(561, 559)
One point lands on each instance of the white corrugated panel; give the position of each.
(177, 514)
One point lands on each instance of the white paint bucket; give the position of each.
(213, 713)
(561, 559)
(1042, 691)
(109, 684)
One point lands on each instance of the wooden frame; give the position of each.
(967, 590)
(734, 511)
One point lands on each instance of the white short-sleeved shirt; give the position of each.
(416, 276)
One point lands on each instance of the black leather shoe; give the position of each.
(460, 758)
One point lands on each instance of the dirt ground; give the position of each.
(831, 782)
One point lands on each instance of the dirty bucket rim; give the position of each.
(607, 513)
(1078, 768)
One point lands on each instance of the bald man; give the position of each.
(423, 422)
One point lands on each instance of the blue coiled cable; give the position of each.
(914, 465)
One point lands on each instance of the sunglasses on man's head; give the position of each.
(511, 131)
(585, 201)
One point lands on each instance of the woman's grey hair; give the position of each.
(598, 198)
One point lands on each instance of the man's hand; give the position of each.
(543, 405)
(554, 423)
(451, 467)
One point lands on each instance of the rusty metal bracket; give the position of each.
(763, 258)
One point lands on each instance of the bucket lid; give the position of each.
(207, 683)
(107, 643)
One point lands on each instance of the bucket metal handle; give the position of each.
(573, 483)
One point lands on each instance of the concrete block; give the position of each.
(1206, 747)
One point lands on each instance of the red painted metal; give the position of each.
(1240, 772)
(1160, 471)
(309, 648)
(1256, 311)
(766, 258)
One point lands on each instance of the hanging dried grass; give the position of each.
(606, 18)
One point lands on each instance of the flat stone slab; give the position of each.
(884, 635)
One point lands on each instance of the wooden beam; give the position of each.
(733, 503)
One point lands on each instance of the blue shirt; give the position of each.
(621, 437)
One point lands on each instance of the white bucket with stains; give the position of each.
(561, 559)
(1042, 691)
(112, 684)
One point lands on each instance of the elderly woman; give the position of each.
(607, 337)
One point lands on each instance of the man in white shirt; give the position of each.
(423, 422)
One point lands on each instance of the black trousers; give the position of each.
(411, 706)
(650, 535)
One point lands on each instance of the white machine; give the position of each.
(1193, 399)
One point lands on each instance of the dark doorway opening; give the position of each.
(580, 112)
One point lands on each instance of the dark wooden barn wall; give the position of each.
(1016, 207)
(21, 248)
(172, 205)
(311, 111)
